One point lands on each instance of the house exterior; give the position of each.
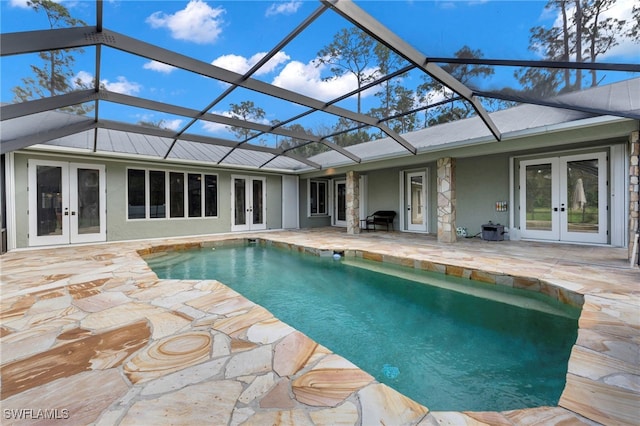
(556, 174)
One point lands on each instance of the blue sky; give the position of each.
(234, 34)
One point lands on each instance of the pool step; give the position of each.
(515, 297)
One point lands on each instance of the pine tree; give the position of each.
(55, 76)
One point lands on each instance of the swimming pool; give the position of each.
(449, 350)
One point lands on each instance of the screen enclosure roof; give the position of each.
(273, 91)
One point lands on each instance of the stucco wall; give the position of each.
(120, 228)
(480, 182)
(307, 221)
(383, 192)
(274, 202)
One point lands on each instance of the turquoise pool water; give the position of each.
(449, 350)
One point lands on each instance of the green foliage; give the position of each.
(395, 98)
(432, 91)
(583, 37)
(55, 75)
(159, 124)
(351, 51)
(301, 147)
(247, 111)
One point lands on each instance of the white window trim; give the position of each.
(326, 195)
(167, 189)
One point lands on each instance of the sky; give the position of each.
(235, 34)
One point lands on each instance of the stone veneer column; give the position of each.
(353, 202)
(447, 200)
(634, 184)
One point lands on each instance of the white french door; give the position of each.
(340, 203)
(416, 201)
(67, 203)
(248, 203)
(564, 198)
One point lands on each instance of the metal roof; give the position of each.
(41, 122)
(512, 122)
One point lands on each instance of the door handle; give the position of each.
(555, 209)
(73, 213)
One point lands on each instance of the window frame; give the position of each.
(310, 201)
(205, 195)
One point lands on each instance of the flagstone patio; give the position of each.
(90, 335)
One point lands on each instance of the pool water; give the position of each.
(448, 350)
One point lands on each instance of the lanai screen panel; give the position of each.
(316, 78)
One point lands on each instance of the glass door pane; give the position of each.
(88, 201)
(415, 201)
(48, 212)
(582, 193)
(257, 203)
(539, 200)
(240, 201)
(341, 203)
(49, 200)
(583, 181)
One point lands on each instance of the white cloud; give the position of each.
(197, 22)
(19, 3)
(284, 8)
(216, 127)
(222, 129)
(122, 85)
(84, 77)
(307, 80)
(172, 124)
(159, 67)
(241, 65)
(151, 118)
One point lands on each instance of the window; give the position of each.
(149, 190)
(176, 194)
(317, 197)
(157, 194)
(136, 194)
(195, 195)
(210, 195)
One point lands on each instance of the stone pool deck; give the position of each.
(90, 335)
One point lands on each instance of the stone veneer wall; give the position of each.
(634, 184)
(353, 202)
(446, 200)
